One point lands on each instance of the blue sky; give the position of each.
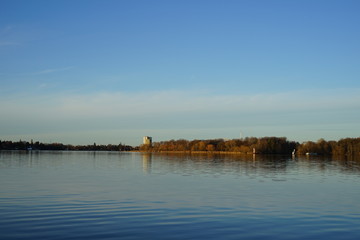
(80, 72)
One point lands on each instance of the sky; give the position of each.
(79, 72)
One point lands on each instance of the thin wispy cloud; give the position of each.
(8, 43)
(40, 72)
(6, 38)
(6, 29)
(52, 70)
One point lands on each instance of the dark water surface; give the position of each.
(108, 195)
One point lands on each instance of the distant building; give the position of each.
(147, 140)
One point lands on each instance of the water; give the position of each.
(111, 195)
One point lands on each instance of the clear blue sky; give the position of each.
(80, 72)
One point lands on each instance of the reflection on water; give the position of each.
(183, 162)
(112, 195)
(146, 157)
(232, 163)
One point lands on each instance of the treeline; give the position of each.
(24, 145)
(346, 146)
(265, 145)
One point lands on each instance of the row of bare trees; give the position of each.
(346, 146)
(265, 145)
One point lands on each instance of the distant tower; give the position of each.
(147, 140)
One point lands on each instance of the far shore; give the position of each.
(244, 146)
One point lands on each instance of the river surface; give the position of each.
(114, 195)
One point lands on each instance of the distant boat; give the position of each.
(310, 154)
(29, 149)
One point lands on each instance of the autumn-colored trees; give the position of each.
(265, 145)
(346, 146)
(275, 145)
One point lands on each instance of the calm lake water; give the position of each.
(112, 195)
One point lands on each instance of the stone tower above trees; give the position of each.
(147, 140)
